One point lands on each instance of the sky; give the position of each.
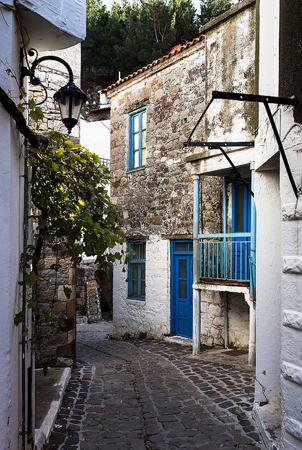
(196, 3)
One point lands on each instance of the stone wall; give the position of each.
(54, 302)
(88, 271)
(56, 346)
(158, 198)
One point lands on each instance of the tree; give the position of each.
(69, 188)
(209, 9)
(133, 35)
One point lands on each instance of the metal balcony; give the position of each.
(225, 257)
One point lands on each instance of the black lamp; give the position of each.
(70, 98)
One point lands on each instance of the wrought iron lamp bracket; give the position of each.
(266, 100)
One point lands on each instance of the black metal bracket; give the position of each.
(265, 99)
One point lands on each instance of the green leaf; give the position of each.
(67, 292)
(61, 325)
(55, 166)
(47, 317)
(19, 318)
(21, 108)
(30, 278)
(31, 103)
(31, 303)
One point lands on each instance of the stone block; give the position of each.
(71, 308)
(67, 350)
(65, 263)
(71, 336)
(59, 307)
(49, 261)
(61, 294)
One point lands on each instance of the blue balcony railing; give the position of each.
(225, 256)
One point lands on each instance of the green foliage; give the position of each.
(133, 35)
(69, 188)
(209, 9)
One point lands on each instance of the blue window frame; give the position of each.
(137, 150)
(136, 271)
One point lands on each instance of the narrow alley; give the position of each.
(143, 395)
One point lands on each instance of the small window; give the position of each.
(136, 271)
(137, 153)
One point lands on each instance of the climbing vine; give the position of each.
(70, 202)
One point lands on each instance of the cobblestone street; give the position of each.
(150, 395)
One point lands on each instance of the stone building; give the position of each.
(152, 114)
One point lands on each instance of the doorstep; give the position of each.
(49, 391)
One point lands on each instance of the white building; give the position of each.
(44, 25)
(275, 168)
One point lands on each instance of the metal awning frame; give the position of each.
(266, 100)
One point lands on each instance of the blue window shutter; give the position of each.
(133, 164)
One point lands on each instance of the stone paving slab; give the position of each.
(149, 395)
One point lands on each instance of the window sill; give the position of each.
(135, 301)
(136, 169)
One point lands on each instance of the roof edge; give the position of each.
(173, 52)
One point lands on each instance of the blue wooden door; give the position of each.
(241, 223)
(181, 288)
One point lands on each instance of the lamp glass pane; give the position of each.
(64, 106)
(76, 107)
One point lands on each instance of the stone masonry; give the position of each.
(156, 200)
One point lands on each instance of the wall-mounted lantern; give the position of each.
(70, 98)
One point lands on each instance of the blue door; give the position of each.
(241, 223)
(181, 288)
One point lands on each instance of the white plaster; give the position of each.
(292, 264)
(96, 137)
(53, 24)
(291, 372)
(292, 211)
(293, 427)
(152, 315)
(11, 227)
(268, 282)
(292, 319)
(10, 233)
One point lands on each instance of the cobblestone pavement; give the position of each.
(152, 395)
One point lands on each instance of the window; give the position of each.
(136, 271)
(137, 153)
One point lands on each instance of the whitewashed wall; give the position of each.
(151, 316)
(11, 168)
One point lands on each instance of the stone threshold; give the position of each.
(179, 340)
(268, 421)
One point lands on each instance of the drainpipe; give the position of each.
(196, 292)
(24, 293)
(252, 302)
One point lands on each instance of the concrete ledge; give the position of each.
(268, 421)
(49, 395)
